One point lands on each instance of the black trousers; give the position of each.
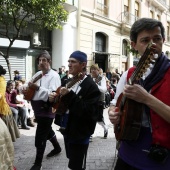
(44, 132)
(76, 153)
(100, 111)
(122, 165)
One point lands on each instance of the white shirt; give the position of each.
(102, 85)
(48, 83)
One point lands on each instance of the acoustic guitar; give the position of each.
(132, 111)
(59, 106)
(30, 92)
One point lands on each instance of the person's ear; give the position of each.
(50, 61)
(133, 44)
(84, 64)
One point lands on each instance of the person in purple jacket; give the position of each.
(151, 149)
(49, 81)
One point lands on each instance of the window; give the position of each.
(168, 32)
(151, 14)
(102, 7)
(126, 11)
(158, 17)
(126, 5)
(136, 9)
(124, 48)
(100, 42)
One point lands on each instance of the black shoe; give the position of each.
(54, 152)
(36, 167)
(105, 133)
(25, 127)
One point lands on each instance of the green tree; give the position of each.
(19, 13)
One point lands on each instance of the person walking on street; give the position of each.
(48, 81)
(151, 148)
(101, 83)
(81, 100)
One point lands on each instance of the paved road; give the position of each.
(101, 153)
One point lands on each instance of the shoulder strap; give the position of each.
(37, 78)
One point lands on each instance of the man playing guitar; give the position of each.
(151, 149)
(48, 82)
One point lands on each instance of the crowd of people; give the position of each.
(74, 99)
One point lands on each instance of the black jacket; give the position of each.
(83, 113)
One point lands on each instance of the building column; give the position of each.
(64, 42)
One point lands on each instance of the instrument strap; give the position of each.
(37, 78)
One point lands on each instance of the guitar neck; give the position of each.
(74, 80)
(142, 65)
(37, 78)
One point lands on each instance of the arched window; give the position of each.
(124, 47)
(100, 42)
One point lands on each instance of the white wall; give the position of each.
(64, 42)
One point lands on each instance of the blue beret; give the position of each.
(80, 56)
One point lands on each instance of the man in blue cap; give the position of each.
(81, 99)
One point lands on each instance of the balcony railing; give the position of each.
(71, 2)
(163, 2)
(160, 4)
(128, 18)
(102, 9)
(70, 6)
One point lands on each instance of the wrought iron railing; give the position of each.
(163, 2)
(128, 18)
(102, 9)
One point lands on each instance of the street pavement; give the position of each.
(101, 152)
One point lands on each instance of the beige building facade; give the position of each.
(103, 29)
(100, 28)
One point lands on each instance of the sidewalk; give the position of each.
(101, 152)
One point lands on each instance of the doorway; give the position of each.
(102, 61)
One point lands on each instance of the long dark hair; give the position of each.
(2, 71)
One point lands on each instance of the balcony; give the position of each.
(102, 9)
(127, 19)
(69, 6)
(160, 4)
